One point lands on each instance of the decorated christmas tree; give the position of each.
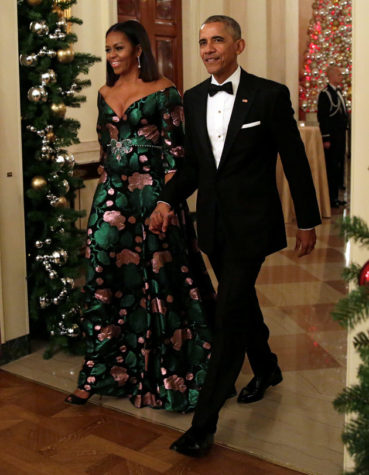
(328, 44)
(50, 82)
(349, 312)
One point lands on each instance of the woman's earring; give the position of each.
(139, 62)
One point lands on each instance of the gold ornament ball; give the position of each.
(59, 110)
(34, 3)
(62, 202)
(65, 55)
(50, 137)
(38, 182)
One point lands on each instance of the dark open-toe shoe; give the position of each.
(76, 400)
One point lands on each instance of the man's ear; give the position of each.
(241, 45)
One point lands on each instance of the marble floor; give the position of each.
(295, 424)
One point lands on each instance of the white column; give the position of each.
(360, 157)
(97, 16)
(194, 13)
(13, 288)
(256, 37)
(292, 51)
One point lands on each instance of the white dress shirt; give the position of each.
(219, 110)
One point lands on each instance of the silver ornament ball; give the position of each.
(37, 94)
(28, 59)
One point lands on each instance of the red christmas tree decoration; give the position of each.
(364, 274)
(328, 44)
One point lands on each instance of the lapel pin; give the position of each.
(245, 100)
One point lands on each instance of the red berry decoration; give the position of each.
(364, 274)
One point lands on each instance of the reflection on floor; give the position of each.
(295, 424)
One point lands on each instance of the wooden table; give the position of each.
(314, 150)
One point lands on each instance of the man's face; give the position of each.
(219, 50)
(335, 76)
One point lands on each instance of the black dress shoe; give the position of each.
(256, 388)
(335, 204)
(192, 444)
(342, 202)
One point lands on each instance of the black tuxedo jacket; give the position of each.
(242, 192)
(332, 116)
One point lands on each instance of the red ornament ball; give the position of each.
(364, 274)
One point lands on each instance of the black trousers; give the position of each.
(239, 329)
(335, 163)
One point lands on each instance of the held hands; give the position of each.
(160, 218)
(305, 242)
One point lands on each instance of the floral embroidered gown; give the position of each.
(148, 297)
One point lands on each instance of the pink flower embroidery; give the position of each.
(99, 281)
(157, 306)
(177, 115)
(127, 257)
(119, 374)
(175, 383)
(139, 181)
(150, 132)
(88, 252)
(109, 332)
(104, 295)
(149, 400)
(177, 151)
(159, 259)
(113, 131)
(103, 175)
(143, 158)
(114, 218)
(194, 294)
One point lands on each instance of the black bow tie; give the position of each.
(214, 88)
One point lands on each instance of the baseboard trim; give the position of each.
(14, 349)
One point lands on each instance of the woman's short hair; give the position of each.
(232, 24)
(137, 35)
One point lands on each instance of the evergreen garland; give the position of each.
(49, 83)
(349, 312)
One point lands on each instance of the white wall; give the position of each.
(13, 289)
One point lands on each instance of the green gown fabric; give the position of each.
(149, 299)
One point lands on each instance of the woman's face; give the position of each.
(120, 53)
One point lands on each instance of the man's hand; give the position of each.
(305, 242)
(160, 218)
(327, 145)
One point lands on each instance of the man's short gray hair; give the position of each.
(232, 24)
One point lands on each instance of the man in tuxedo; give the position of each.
(236, 123)
(333, 121)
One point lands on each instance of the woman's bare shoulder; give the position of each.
(104, 90)
(163, 83)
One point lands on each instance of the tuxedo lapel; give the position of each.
(199, 119)
(242, 105)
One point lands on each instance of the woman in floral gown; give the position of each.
(148, 297)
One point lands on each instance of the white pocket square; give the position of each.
(251, 124)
